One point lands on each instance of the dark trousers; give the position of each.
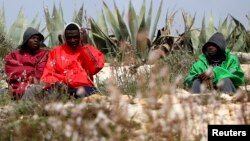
(86, 92)
(226, 87)
(33, 89)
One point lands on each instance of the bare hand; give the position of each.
(204, 77)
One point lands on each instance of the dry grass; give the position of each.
(149, 106)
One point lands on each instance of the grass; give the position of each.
(138, 106)
(130, 106)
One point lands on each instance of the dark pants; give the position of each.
(226, 87)
(86, 92)
(76, 92)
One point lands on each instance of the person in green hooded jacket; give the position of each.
(216, 68)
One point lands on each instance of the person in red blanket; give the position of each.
(24, 66)
(73, 64)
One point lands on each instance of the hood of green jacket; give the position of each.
(217, 39)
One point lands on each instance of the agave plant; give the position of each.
(166, 42)
(2, 20)
(193, 39)
(7, 41)
(13, 37)
(238, 39)
(132, 36)
(55, 23)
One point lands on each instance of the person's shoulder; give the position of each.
(230, 54)
(55, 48)
(92, 48)
(89, 46)
(13, 52)
(16, 51)
(44, 50)
(233, 57)
(202, 57)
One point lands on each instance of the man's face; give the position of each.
(211, 50)
(72, 38)
(34, 43)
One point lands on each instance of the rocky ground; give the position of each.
(188, 113)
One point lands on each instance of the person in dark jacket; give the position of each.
(24, 66)
(216, 68)
(73, 64)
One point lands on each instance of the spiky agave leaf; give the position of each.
(101, 40)
(101, 21)
(240, 44)
(207, 30)
(164, 35)
(2, 20)
(142, 13)
(248, 18)
(188, 21)
(195, 40)
(210, 27)
(233, 36)
(112, 18)
(191, 33)
(133, 24)
(169, 22)
(78, 16)
(123, 27)
(35, 22)
(247, 41)
(202, 37)
(49, 26)
(137, 26)
(142, 41)
(237, 38)
(223, 28)
(248, 32)
(149, 18)
(5, 44)
(18, 27)
(142, 37)
(54, 23)
(156, 20)
(186, 36)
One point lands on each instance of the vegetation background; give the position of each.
(143, 101)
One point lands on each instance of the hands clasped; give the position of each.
(204, 76)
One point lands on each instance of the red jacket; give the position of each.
(73, 67)
(22, 68)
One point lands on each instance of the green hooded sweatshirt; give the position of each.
(229, 68)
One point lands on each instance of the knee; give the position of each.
(225, 81)
(196, 82)
(196, 86)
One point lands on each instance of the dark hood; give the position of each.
(30, 32)
(217, 39)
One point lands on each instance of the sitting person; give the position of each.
(225, 75)
(25, 65)
(73, 64)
